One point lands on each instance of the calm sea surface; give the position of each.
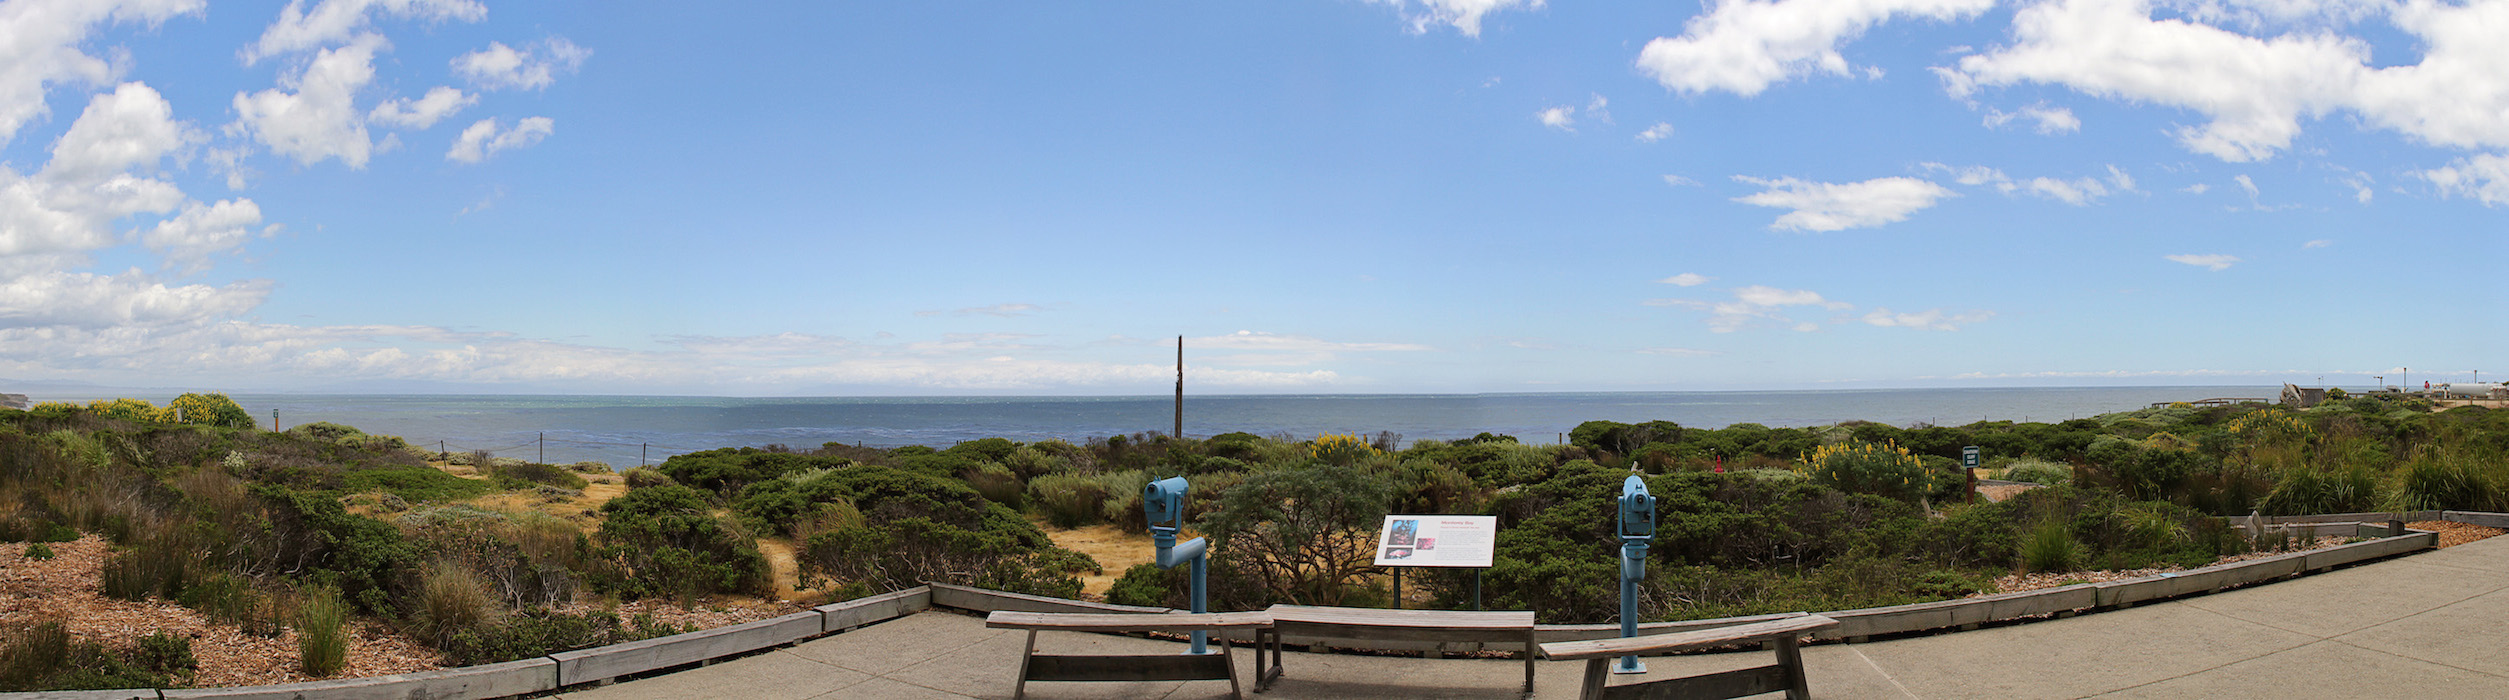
(620, 429)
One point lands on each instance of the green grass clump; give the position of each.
(322, 633)
(39, 551)
(2050, 547)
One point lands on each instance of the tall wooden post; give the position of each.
(1178, 432)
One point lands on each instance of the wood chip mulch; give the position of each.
(66, 588)
(2454, 533)
(2030, 582)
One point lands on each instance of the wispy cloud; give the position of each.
(1003, 310)
(1822, 206)
(1655, 133)
(2211, 261)
(1686, 279)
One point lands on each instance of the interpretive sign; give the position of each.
(1461, 541)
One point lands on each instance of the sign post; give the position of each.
(1969, 474)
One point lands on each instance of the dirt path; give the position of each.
(1116, 549)
(784, 562)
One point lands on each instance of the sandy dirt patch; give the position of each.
(1117, 549)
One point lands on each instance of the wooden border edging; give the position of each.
(603, 663)
(836, 617)
(466, 683)
(2498, 520)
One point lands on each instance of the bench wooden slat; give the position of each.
(1462, 621)
(1121, 622)
(1678, 641)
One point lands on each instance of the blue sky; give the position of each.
(1323, 196)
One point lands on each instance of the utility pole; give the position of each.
(544, 448)
(1179, 430)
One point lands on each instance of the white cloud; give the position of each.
(2359, 182)
(1972, 176)
(1686, 279)
(1744, 46)
(2484, 178)
(1752, 304)
(317, 120)
(2246, 184)
(39, 45)
(1928, 320)
(485, 138)
(1679, 181)
(1599, 109)
(1464, 15)
(131, 127)
(1821, 206)
(189, 238)
(1655, 133)
(423, 112)
(2124, 182)
(2078, 192)
(501, 67)
(2051, 120)
(333, 21)
(1678, 352)
(2319, 243)
(2215, 262)
(89, 301)
(1562, 118)
(1256, 340)
(2197, 188)
(2255, 91)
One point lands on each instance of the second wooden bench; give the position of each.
(1372, 624)
(1782, 635)
(1148, 667)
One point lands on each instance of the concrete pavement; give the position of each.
(2427, 626)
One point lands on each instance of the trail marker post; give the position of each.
(1969, 473)
(1637, 528)
(1163, 501)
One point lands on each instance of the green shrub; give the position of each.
(416, 484)
(1881, 469)
(1144, 584)
(227, 598)
(542, 474)
(39, 551)
(2050, 547)
(322, 632)
(665, 540)
(45, 656)
(2311, 490)
(2440, 482)
(57, 532)
(645, 477)
(165, 654)
(542, 632)
(2039, 472)
(1068, 501)
(150, 571)
(998, 484)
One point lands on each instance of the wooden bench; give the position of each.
(1101, 667)
(1781, 635)
(1372, 624)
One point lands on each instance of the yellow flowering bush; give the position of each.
(1341, 450)
(2268, 427)
(1883, 469)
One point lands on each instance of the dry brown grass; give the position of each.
(1116, 549)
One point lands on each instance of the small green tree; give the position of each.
(1303, 532)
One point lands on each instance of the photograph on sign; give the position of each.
(1464, 541)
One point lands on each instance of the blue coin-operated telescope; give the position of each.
(1637, 527)
(1164, 502)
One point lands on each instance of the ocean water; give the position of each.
(622, 430)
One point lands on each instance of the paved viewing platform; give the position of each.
(2428, 625)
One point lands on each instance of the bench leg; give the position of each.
(1020, 692)
(1529, 647)
(1790, 663)
(1597, 671)
(1228, 656)
(1267, 642)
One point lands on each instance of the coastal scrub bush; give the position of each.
(2310, 490)
(2443, 480)
(727, 471)
(645, 477)
(2039, 472)
(665, 540)
(321, 632)
(1068, 500)
(998, 483)
(213, 409)
(912, 527)
(523, 476)
(163, 654)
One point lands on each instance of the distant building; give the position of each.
(2298, 397)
